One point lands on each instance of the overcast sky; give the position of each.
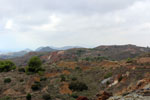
(89, 23)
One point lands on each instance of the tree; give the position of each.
(34, 65)
(6, 66)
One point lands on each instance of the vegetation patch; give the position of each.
(46, 97)
(36, 86)
(108, 75)
(7, 80)
(78, 86)
(28, 97)
(99, 58)
(6, 66)
(5, 98)
(34, 65)
(21, 69)
(129, 60)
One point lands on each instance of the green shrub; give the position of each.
(21, 70)
(107, 82)
(78, 68)
(73, 78)
(79, 52)
(36, 86)
(6, 66)
(46, 97)
(63, 78)
(28, 97)
(7, 80)
(34, 65)
(78, 86)
(129, 60)
(5, 98)
(41, 73)
(43, 79)
(21, 80)
(108, 75)
(74, 95)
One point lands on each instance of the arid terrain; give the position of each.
(101, 73)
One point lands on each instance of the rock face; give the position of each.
(82, 98)
(103, 95)
(141, 94)
(132, 96)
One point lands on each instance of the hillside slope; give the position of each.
(108, 52)
(99, 77)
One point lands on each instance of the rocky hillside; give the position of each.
(81, 74)
(102, 52)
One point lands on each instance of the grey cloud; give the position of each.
(25, 6)
(78, 22)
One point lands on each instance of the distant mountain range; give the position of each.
(45, 49)
(40, 49)
(14, 54)
(51, 48)
(111, 52)
(116, 52)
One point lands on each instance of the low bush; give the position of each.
(108, 75)
(129, 60)
(28, 97)
(43, 79)
(6, 66)
(78, 68)
(21, 80)
(74, 95)
(7, 80)
(46, 97)
(78, 86)
(5, 98)
(73, 78)
(63, 78)
(36, 86)
(41, 73)
(21, 70)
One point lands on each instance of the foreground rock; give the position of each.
(103, 95)
(137, 95)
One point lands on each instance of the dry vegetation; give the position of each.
(53, 83)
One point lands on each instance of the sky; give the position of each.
(88, 23)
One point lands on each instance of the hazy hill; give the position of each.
(40, 49)
(14, 54)
(44, 49)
